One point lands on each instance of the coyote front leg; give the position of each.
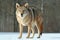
(21, 30)
(29, 30)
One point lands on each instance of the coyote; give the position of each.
(30, 17)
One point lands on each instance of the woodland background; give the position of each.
(49, 8)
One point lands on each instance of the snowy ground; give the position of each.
(14, 36)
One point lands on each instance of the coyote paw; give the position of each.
(19, 37)
(27, 37)
(38, 37)
(31, 37)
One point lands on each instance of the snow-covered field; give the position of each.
(14, 36)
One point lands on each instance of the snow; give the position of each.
(14, 36)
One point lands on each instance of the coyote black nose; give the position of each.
(21, 15)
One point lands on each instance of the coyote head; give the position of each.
(22, 9)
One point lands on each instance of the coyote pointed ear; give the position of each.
(17, 5)
(26, 5)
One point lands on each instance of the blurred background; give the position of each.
(49, 8)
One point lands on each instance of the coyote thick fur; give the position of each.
(29, 16)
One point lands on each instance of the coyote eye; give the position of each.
(23, 10)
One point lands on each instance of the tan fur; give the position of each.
(28, 19)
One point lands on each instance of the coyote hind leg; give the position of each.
(40, 29)
(32, 28)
